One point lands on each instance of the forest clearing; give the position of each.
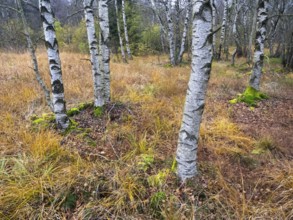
(126, 166)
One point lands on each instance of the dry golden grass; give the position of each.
(39, 179)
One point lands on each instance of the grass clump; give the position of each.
(250, 97)
(264, 145)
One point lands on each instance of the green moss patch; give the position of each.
(73, 111)
(98, 111)
(76, 110)
(250, 97)
(43, 121)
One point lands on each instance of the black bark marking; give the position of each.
(58, 88)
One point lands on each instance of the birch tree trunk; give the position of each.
(262, 19)
(185, 30)
(105, 46)
(126, 31)
(214, 11)
(238, 49)
(93, 47)
(119, 33)
(223, 29)
(170, 33)
(252, 34)
(55, 64)
(33, 56)
(195, 99)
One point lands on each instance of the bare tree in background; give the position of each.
(126, 31)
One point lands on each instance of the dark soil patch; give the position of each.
(91, 138)
(272, 118)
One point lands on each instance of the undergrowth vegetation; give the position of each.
(44, 176)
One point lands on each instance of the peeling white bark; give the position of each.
(185, 30)
(262, 18)
(55, 64)
(126, 31)
(105, 46)
(33, 56)
(119, 33)
(195, 99)
(93, 47)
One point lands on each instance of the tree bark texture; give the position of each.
(55, 65)
(93, 47)
(33, 56)
(119, 33)
(262, 19)
(195, 99)
(126, 31)
(105, 46)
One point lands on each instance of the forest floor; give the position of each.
(119, 163)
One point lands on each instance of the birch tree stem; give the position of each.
(260, 38)
(55, 64)
(195, 99)
(126, 31)
(105, 46)
(185, 30)
(119, 33)
(93, 47)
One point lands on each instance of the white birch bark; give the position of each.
(93, 47)
(170, 33)
(252, 34)
(195, 99)
(119, 33)
(185, 30)
(126, 31)
(33, 56)
(223, 29)
(55, 64)
(214, 12)
(105, 46)
(262, 19)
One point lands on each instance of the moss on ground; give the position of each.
(98, 111)
(76, 110)
(250, 97)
